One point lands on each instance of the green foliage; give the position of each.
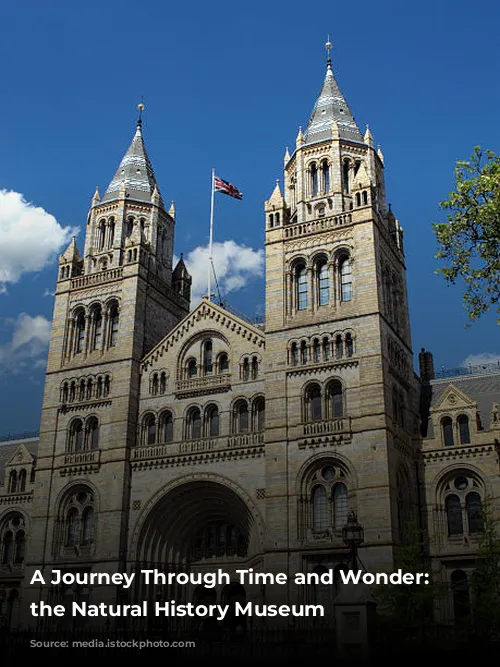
(470, 241)
(485, 581)
(410, 604)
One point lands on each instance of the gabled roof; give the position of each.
(210, 311)
(331, 106)
(9, 450)
(135, 173)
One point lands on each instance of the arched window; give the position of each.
(114, 320)
(166, 427)
(294, 354)
(12, 539)
(81, 392)
(454, 515)
(461, 599)
(326, 349)
(98, 392)
(207, 357)
(301, 282)
(20, 547)
(473, 508)
(88, 526)
(358, 199)
(320, 509)
(345, 176)
(90, 386)
(325, 168)
(303, 352)
(13, 481)
(192, 368)
(76, 436)
(255, 368)
(107, 385)
(335, 400)
(463, 429)
(349, 345)
(73, 528)
(163, 382)
(314, 180)
(223, 363)
(246, 370)
(111, 235)
(102, 235)
(316, 351)
(339, 347)
(7, 548)
(80, 333)
(345, 279)
(323, 282)
(129, 226)
(65, 393)
(260, 415)
(149, 430)
(21, 486)
(365, 198)
(313, 403)
(271, 220)
(194, 424)
(154, 384)
(241, 417)
(447, 429)
(93, 433)
(212, 419)
(78, 515)
(97, 332)
(339, 505)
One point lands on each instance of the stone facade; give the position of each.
(193, 440)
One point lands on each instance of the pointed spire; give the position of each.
(300, 138)
(71, 254)
(331, 105)
(135, 171)
(96, 198)
(171, 212)
(286, 159)
(276, 196)
(368, 138)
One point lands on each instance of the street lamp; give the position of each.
(353, 535)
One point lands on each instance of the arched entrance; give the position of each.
(197, 527)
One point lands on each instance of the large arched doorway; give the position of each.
(196, 527)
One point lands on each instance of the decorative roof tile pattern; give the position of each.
(331, 105)
(136, 172)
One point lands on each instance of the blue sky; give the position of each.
(229, 89)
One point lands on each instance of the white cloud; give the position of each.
(27, 348)
(30, 237)
(482, 359)
(49, 292)
(235, 267)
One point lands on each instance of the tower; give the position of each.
(341, 400)
(113, 303)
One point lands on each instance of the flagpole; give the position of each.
(211, 238)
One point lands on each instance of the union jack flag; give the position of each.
(227, 188)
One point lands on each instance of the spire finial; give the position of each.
(140, 109)
(328, 47)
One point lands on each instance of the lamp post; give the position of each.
(353, 535)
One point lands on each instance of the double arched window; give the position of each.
(13, 540)
(79, 519)
(301, 287)
(321, 403)
(345, 272)
(450, 431)
(464, 505)
(328, 497)
(322, 274)
(83, 435)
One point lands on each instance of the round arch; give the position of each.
(170, 521)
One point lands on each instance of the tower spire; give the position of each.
(140, 109)
(328, 47)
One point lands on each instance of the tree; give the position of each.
(411, 604)
(470, 241)
(485, 580)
